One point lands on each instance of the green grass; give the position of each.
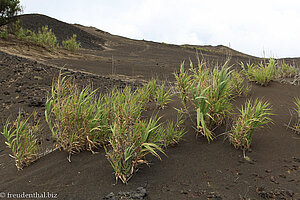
(80, 119)
(286, 70)
(261, 74)
(297, 103)
(4, 34)
(21, 137)
(129, 143)
(163, 96)
(44, 37)
(131, 138)
(151, 90)
(238, 86)
(253, 115)
(71, 44)
(158, 93)
(172, 133)
(209, 91)
(75, 118)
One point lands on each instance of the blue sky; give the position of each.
(261, 28)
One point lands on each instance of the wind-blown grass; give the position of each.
(75, 119)
(210, 93)
(157, 93)
(237, 83)
(253, 115)
(262, 73)
(132, 138)
(286, 70)
(21, 138)
(297, 125)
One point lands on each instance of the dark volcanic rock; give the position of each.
(35, 102)
(139, 193)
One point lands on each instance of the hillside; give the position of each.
(192, 169)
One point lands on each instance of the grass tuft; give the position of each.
(210, 93)
(262, 73)
(131, 138)
(253, 115)
(75, 119)
(71, 44)
(21, 138)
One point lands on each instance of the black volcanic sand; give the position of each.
(193, 169)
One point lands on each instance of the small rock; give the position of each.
(268, 170)
(6, 93)
(272, 178)
(214, 195)
(282, 175)
(290, 193)
(142, 191)
(35, 102)
(18, 90)
(183, 192)
(137, 196)
(254, 174)
(19, 84)
(109, 196)
(38, 78)
(38, 69)
(296, 159)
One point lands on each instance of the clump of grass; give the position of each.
(237, 84)
(150, 90)
(297, 125)
(4, 34)
(71, 44)
(208, 91)
(172, 133)
(286, 70)
(76, 120)
(262, 73)
(157, 93)
(163, 96)
(21, 138)
(131, 138)
(253, 115)
(183, 84)
(129, 144)
(44, 37)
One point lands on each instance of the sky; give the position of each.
(263, 28)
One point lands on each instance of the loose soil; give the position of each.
(193, 169)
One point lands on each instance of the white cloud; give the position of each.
(249, 26)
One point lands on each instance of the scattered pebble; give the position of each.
(139, 193)
(272, 178)
(268, 170)
(290, 193)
